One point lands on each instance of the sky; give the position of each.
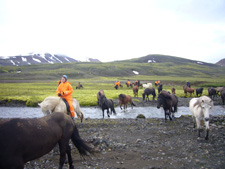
(111, 30)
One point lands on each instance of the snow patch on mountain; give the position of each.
(37, 60)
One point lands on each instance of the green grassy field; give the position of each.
(36, 92)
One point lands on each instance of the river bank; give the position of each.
(146, 143)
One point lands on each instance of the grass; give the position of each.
(36, 92)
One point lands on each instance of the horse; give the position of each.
(99, 94)
(200, 108)
(147, 85)
(199, 91)
(135, 91)
(124, 99)
(131, 85)
(222, 94)
(79, 86)
(56, 104)
(160, 88)
(23, 140)
(219, 90)
(107, 104)
(189, 90)
(147, 92)
(173, 90)
(212, 92)
(169, 103)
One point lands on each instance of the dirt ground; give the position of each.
(146, 143)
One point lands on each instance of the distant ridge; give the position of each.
(37, 58)
(221, 62)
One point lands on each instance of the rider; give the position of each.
(65, 91)
(128, 82)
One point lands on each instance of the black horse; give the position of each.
(199, 91)
(222, 94)
(169, 103)
(107, 104)
(147, 92)
(212, 92)
(160, 88)
(23, 140)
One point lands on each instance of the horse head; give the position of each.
(162, 98)
(102, 100)
(206, 104)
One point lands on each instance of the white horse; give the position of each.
(200, 108)
(147, 85)
(56, 104)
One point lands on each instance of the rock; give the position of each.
(140, 116)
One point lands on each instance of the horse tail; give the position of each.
(83, 148)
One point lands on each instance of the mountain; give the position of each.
(36, 58)
(150, 65)
(221, 62)
(156, 58)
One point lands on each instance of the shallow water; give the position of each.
(96, 113)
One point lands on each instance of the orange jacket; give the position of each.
(128, 83)
(65, 88)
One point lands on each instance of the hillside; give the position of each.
(160, 66)
(221, 62)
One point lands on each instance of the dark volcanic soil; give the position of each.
(146, 143)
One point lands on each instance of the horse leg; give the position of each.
(68, 152)
(198, 127)
(207, 130)
(103, 113)
(108, 112)
(165, 116)
(63, 150)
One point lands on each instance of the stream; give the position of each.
(96, 113)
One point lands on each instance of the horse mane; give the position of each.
(165, 94)
(122, 96)
(203, 99)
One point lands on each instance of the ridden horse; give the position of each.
(128, 84)
(160, 88)
(23, 140)
(107, 104)
(147, 92)
(199, 91)
(79, 86)
(169, 103)
(200, 108)
(56, 104)
(212, 92)
(124, 99)
(99, 94)
(135, 91)
(189, 90)
(173, 90)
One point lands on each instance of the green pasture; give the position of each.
(35, 92)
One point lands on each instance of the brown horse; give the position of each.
(99, 94)
(23, 140)
(189, 90)
(79, 86)
(124, 99)
(173, 90)
(135, 91)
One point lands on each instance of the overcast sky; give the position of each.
(114, 29)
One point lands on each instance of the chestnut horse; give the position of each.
(124, 99)
(135, 91)
(23, 140)
(189, 90)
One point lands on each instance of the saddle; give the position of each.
(67, 106)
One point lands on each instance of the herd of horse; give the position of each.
(57, 127)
